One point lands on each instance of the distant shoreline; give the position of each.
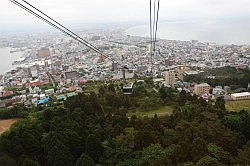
(186, 31)
(8, 59)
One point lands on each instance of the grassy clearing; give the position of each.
(160, 112)
(238, 105)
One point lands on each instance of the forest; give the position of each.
(225, 76)
(93, 129)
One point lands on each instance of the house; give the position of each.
(42, 96)
(37, 83)
(49, 92)
(72, 88)
(7, 93)
(36, 90)
(218, 90)
(61, 97)
(71, 94)
(1, 89)
(34, 101)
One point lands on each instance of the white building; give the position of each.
(241, 96)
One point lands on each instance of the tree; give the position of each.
(208, 161)
(153, 155)
(59, 155)
(29, 162)
(85, 160)
(218, 153)
(220, 104)
(93, 147)
(6, 160)
(243, 156)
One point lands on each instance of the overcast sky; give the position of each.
(85, 11)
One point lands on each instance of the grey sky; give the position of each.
(122, 10)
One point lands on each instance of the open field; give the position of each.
(5, 124)
(160, 112)
(238, 105)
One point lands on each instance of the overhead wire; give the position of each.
(154, 21)
(153, 27)
(151, 34)
(156, 24)
(61, 28)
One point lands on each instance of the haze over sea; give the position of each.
(220, 31)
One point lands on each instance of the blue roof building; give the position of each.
(40, 102)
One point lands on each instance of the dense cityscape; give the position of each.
(62, 65)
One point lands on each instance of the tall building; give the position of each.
(46, 64)
(43, 53)
(170, 77)
(200, 89)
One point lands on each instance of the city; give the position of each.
(62, 65)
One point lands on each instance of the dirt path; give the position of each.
(5, 124)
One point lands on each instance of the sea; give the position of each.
(7, 58)
(220, 31)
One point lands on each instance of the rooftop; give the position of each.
(204, 84)
(240, 94)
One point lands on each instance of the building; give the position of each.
(71, 94)
(114, 66)
(241, 96)
(71, 75)
(94, 38)
(142, 68)
(2, 104)
(61, 97)
(169, 62)
(200, 89)
(49, 92)
(43, 53)
(181, 69)
(58, 63)
(46, 64)
(170, 77)
(77, 60)
(101, 59)
(7, 93)
(33, 72)
(218, 91)
(43, 101)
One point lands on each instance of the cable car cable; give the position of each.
(157, 19)
(69, 33)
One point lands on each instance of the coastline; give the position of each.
(8, 58)
(221, 34)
